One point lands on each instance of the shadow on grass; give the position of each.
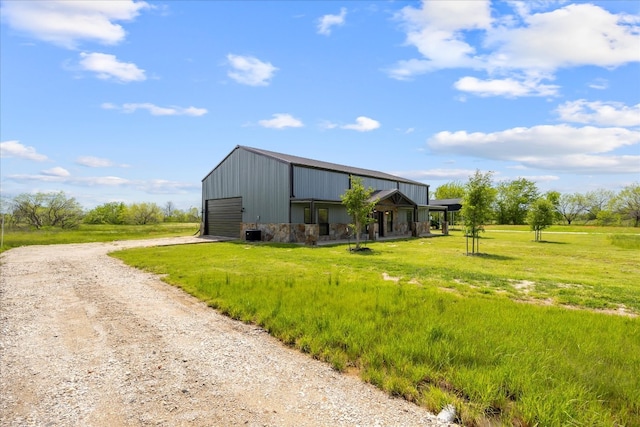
(548, 242)
(492, 256)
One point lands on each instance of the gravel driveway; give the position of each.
(86, 340)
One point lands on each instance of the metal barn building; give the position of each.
(256, 194)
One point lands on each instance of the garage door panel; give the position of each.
(224, 217)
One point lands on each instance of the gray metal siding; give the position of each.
(423, 214)
(417, 193)
(378, 184)
(265, 188)
(262, 182)
(318, 184)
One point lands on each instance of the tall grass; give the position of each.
(491, 334)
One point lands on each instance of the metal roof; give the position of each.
(317, 164)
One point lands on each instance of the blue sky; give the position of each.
(137, 101)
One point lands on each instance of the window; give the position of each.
(307, 215)
(409, 217)
(389, 227)
(323, 221)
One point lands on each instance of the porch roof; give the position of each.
(394, 195)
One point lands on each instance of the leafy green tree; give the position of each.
(554, 197)
(107, 213)
(357, 200)
(143, 213)
(540, 216)
(513, 200)
(570, 206)
(476, 207)
(627, 203)
(450, 190)
(596, 201)
(46, 210)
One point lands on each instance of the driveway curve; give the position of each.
(86, 340)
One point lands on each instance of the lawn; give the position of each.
(527, 333)
(87, 233)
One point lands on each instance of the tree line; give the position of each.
(511, 201)
(520, 202)
(41, 210)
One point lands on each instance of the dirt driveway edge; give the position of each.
(86, 340)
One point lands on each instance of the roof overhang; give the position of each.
(395, 196)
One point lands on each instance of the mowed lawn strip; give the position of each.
(520, 334)
(87, 233)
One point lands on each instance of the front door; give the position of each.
(380, 220)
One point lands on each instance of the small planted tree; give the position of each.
(476, 207)
(540, 216)
(357, 200)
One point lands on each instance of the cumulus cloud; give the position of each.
(61, 176)
(108, 67)
(559, 147)
(67, 23)
(363, 124)
(517, 51)
(57, 171)
(327, 22)
(250, 71)
(436, 174)
(18, 150)
(163, 186)
(509, 87)
(94, 162)
(281, 121)
(600, 113)
(574, 35)
(437, 29)
(155, 110)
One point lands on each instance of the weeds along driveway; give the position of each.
(87, 340)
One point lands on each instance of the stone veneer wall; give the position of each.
(422, 228)
(309, 233)
(284, 233)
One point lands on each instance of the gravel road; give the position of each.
(88, 341)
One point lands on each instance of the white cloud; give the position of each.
(436, 174)
(57, 171)
(326, 125)
(437, 29)
(600, 113)
(559, 147)
(599, 84)
(326, 22)
(518, 52)
(15, 149)
(47, 176)
(250, 71)
(363, 124)
(155, 110)
(94, 162)
(108, 67)
(281, 121)
(163, 186)
(67, 23)
(575, 35)
(508, 87)
(61, 176)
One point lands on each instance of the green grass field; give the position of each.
(524, 334)
(87, 233)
